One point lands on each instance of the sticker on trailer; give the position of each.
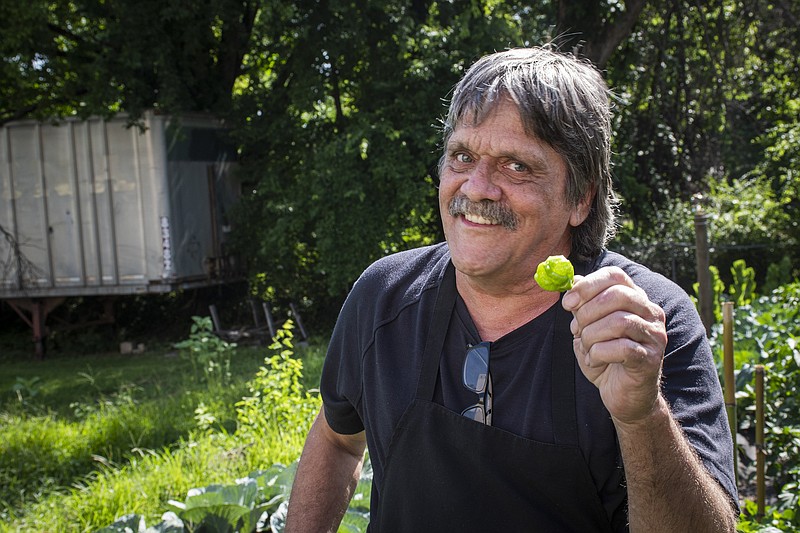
(166, 249)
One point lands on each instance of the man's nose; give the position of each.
(481, 183)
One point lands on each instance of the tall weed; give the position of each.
(207, 352)
(277, 412)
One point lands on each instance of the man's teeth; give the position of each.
(477, 219)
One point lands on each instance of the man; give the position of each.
(489, 404)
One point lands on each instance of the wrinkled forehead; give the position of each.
(474, 111)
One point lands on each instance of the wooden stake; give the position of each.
(705, 292)
(760, 483)
(730, 380)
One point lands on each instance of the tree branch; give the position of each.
(614, 32)
(58, 30)
(26, 270)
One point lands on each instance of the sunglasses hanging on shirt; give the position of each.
(476, 378)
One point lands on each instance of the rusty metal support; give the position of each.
(33, 312)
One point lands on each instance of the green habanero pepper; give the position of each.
(555, 274)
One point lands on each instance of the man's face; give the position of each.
(523, 180)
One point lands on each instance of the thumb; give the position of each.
(572, 298)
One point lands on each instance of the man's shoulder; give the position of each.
(636, 271)
(660, 289)
(410, 261)
(402, 276)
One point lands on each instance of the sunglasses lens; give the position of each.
(475, 413)
(476, 368)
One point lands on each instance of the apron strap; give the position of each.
(562, 382)
(564, 408)
(442, 311)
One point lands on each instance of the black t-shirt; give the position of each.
(375, 355)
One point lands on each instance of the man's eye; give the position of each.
(517, 167)
(461, 157)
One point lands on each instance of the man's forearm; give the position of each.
(669, 489)
(326, 478)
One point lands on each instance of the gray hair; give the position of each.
(562, 101)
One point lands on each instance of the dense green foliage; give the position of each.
(83, 57)
(341, 143)
(746, 221)
(709, 99)
(766, 332)
(334, 108)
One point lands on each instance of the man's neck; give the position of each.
(499, 311)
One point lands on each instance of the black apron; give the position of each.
(445, 472)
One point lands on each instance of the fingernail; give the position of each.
(570, 300)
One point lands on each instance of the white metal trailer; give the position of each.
(99, 208)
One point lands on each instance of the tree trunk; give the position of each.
(234, 43)
(588, 31)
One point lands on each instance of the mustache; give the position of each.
(488, 209)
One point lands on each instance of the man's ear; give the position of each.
(581, 211)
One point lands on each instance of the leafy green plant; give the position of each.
(773, 521)
(204, 418)
(743, 287)
(26, 389)
(135, 523)
(278, 404)
(222, 508)
(718, 288)
(207, 351)
(767, 332)
(257, 502)
(741, 291)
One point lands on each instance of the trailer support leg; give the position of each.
(39, 327)
(34, 312)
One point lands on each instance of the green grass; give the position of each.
(88, 438)
(142, 486)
